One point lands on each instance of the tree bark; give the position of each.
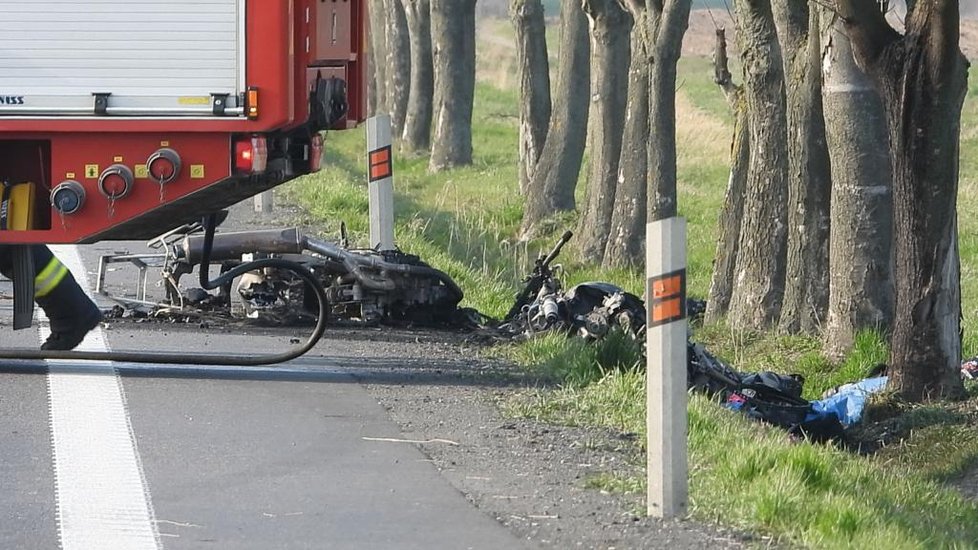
(922, 78)
(453, 36)
(417, 122)
(371, 80)
(626, 239)
(666, 26)
(378, 54)
(860, 281)
(806, 292)
(552, 188)
(398, 64)
(731, 213)
(609, 26)
(534, 67)
(758, 288)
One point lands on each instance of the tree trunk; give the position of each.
(731, 213)
(626, 240)
(398, 64)
(860, 280)
(534, 67)
(453, 36)
(371, 80)
(922, 78)
(417, 122)
(378, 54)
(759, 284)
(666, 26)
(806, 292)
(555, 177)
(610, 25)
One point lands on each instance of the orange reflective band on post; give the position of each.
(668, 309)
(380, 163)
(667, 286)
(667, 298)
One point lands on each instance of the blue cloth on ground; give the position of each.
(849, 401)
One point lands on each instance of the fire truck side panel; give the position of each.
(285, 51)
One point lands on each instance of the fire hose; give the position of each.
(183, 358)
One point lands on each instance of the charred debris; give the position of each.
(365, 287)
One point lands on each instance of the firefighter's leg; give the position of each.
(71, 312)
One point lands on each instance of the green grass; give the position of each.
(742, 474)
(813, 495)
(749, 476)
(574, 362)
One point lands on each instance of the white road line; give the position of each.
(102, 499)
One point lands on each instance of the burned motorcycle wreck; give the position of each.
(362, 286)
(590, 309)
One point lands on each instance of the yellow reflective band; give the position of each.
(49, 277)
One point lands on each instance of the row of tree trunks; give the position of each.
(402, 73)
(922, 79)
(666, 25)
(732, 210)
(610, 26)
(453, 37)
(534, 77)
(626, 238)
(861, 286)
(555, 177)
(417, 122)
(758, 287)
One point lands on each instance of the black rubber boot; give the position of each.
(72, 315)
(71, 312)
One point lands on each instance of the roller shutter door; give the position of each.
(151, 57)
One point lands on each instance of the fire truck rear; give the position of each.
(120, 119)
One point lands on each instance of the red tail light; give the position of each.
(250, 155)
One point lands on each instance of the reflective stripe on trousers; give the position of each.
(49, 277)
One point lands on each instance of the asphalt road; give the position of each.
(150, 456)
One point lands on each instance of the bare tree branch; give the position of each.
(868, 29)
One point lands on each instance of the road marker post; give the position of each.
(264, 202)
(380, 176)
(666, 416)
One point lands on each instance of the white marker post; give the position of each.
(666, 422)
(380, 174)
(264, 202)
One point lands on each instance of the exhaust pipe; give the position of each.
(230, 246)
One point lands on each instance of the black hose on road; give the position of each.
(184, 358)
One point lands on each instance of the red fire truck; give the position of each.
(120, 119)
